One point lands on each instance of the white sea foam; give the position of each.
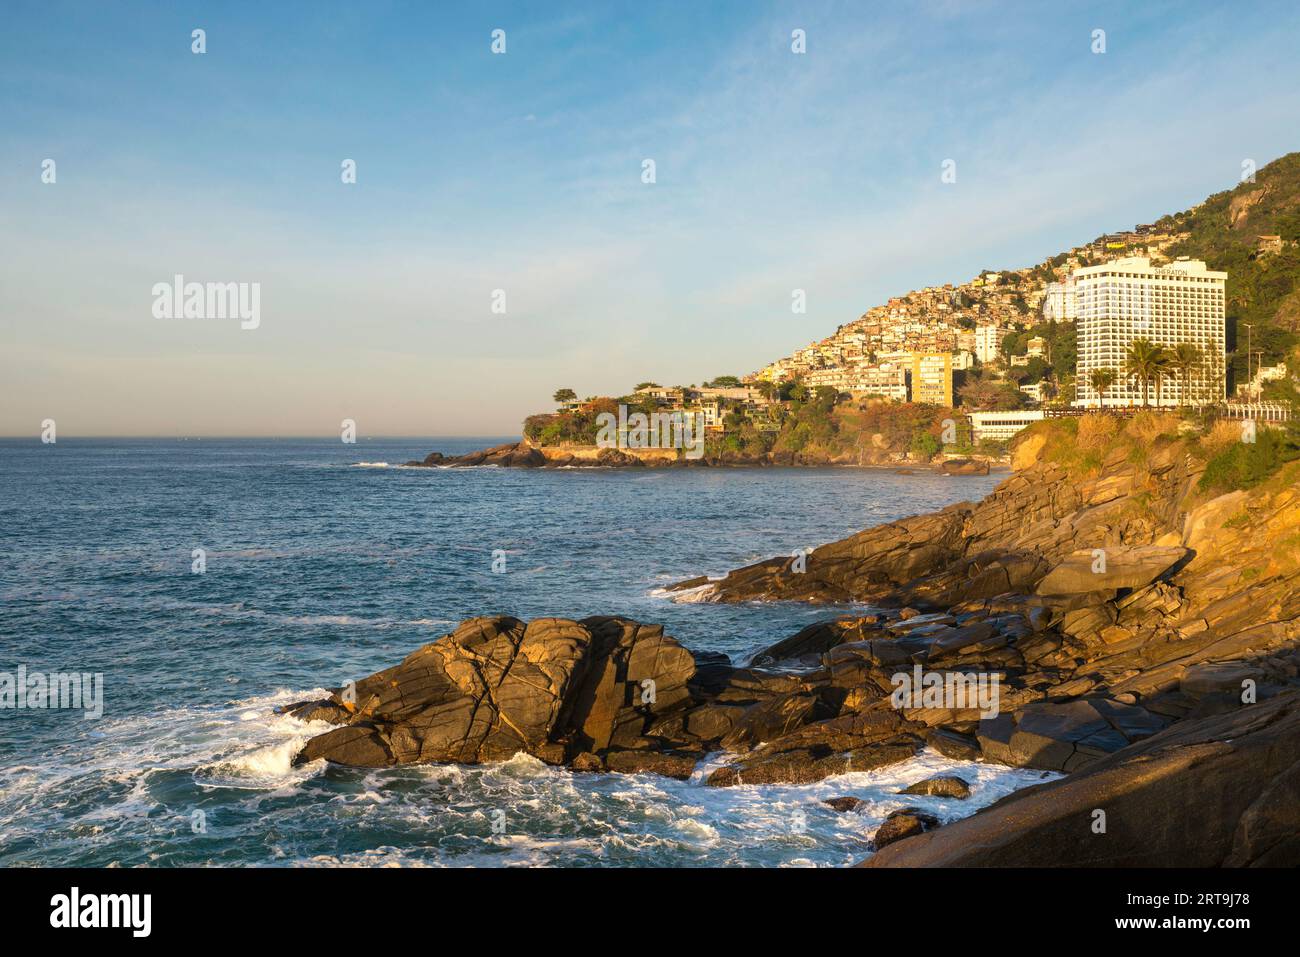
(686, 596)
(238, 758)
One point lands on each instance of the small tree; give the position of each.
(564, 395)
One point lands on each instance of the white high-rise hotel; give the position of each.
(1128, 299)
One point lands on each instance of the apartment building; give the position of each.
(887, 380)
(988, 343)
(1128, 299)
(932, 377)
(1059, 301)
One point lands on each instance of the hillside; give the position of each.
(1263, 289)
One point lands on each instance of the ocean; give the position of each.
(323, 562)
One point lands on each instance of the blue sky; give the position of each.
(521, 172)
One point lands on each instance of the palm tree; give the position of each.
(1186, 358)
(1144, 364)
(1163, 368)
(1101, 380)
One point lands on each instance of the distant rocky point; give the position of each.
(526, 455)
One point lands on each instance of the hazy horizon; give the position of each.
(522, 171)
(195, 437)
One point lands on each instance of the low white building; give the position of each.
(1000, 426)
(1034, 390)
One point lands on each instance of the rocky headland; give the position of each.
(527, 455)
(1144, 635)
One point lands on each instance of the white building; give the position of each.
(888, 380)
(1000, 426)
(1262, 375)
(988, 343)
(1129, 299)
(1034, 391)
(1059, 302)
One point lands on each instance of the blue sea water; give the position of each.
(319, 569)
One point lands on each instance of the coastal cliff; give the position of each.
(1140, 625)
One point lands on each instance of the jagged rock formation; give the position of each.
(1108, 606)
(494, 687)
(1004, 544)
(603, 694)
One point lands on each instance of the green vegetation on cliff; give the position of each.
(1263, 286)
(1233, 457)
(814, 425)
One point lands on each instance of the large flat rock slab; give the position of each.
(1113, 568)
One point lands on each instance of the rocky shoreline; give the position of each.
(526, 455)
(1143, 639)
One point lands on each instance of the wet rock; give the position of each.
(942, 785)
(588, 762)
(713, 671)
(819, 637)
(326, 711)
(903, 823)
(964, 467)
(666, 763)
(842, 804)
(953, 744)
(856, 742)
(771, 719)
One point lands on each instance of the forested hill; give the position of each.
(1263, 287)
